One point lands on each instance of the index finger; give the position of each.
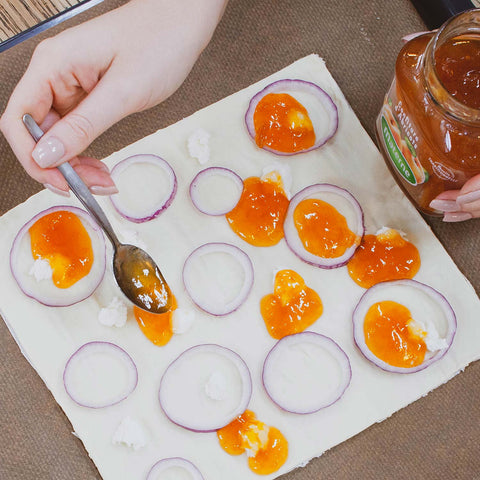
(32, 95)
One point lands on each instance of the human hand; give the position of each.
(460, 205)
(82, 81)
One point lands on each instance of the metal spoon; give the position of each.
(136, 273)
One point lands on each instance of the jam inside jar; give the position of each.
(429, 127)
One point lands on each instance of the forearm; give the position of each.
(85, 79)
(202, 16)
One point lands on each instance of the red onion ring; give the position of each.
(175, 462)
(324, 101)
(295, 383)
(46, 292)
(195, 188)
(143, 209)
(196, 277)
(88, 371)
(183, 397)
(369, 297)
(317, 191)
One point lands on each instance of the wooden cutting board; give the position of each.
(17, 17)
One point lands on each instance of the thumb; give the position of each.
(74, 132)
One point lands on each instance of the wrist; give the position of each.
(201, 16)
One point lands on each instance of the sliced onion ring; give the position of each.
(208, 280)
(334, 195)
(404, 291)
(324, 116)
(218, 200)
(175, 463)
(100, 374)
(306, 372)
(183, 389)
(158, 187)
(45, 291)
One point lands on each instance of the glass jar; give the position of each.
(429, 127)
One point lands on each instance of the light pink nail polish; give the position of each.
(104, 167)
(457, 216)
(63, 193)
(444, 205)
(97, 190)
(48, 152)
(468, 197)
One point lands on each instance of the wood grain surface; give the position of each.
(16, 16)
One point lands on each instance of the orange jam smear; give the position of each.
(157, 327)
(383, 257)
(292, 307)
(322, 229)
(151, 289)
(259, 214)
(390, 335)
(458, 67)
(283, 124)
(266, 447)
(61, 238)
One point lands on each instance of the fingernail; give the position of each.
(444, 205)
(457, 216)
(48, 152)
(63, 193)
(104, 167)
(97, 190)
(468, 197)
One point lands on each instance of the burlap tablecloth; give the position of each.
(437, 437)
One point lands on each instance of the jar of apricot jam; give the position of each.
(429, 127)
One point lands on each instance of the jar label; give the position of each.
(400, 150)
(396, 155)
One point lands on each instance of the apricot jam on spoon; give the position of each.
(136, 273)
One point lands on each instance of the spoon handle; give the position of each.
(77, 185)
(88, 200)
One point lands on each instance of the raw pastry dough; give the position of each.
(48, 336)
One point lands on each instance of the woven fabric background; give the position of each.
(435, 438)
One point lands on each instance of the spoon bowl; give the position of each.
(140, 279)
(135, 271)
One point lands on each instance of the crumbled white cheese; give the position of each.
(131, 237)
(182, 320)
(216, 386)
(255, 439)
(41, 270)
(131, 433)
(114, 315)
(384, 230)
(279, 174)
(426, 330)
(198, 146)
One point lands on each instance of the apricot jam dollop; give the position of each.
(382, 257)
(390, 335)
(259, 214)
(157, 327)
(266, 447)
(322, 229)
(61, 238)
(282, 124)
(292, 307)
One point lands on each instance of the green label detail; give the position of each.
(396, 155)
